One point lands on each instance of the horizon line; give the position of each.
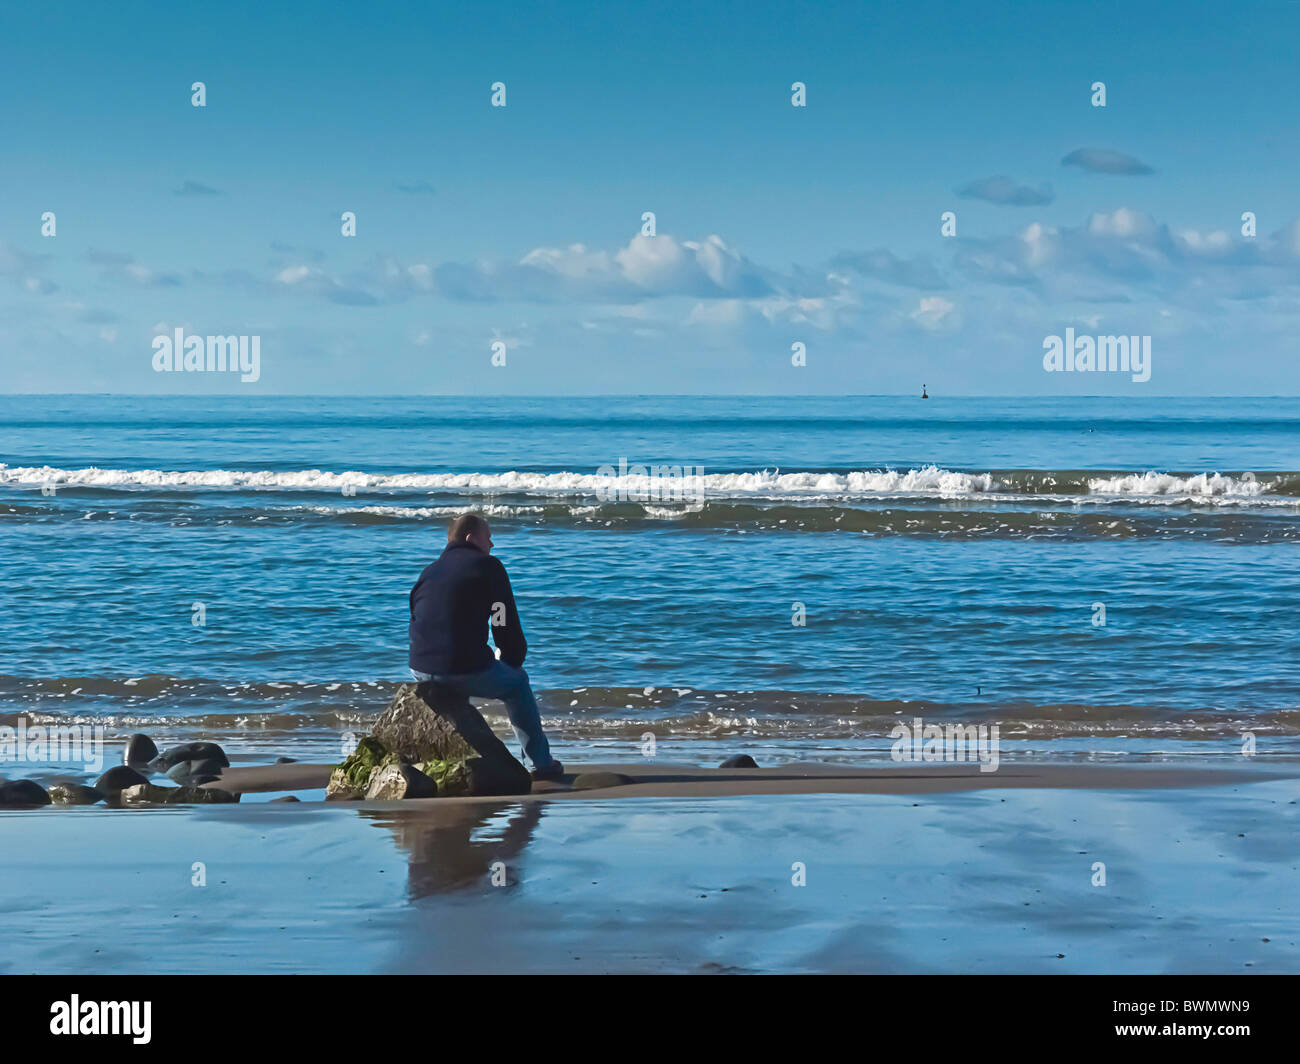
(615, 395)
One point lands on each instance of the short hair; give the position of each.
(464, 525)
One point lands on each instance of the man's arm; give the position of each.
(508, 637)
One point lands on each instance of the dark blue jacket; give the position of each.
(452, 605)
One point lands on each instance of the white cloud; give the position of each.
(293, 274)
(646, 268)
(935, 313)
(1123, 223)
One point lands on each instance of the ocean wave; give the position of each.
(679, 482)
(682, 483)
(178, 705)
(1212, 485)
(989, 517)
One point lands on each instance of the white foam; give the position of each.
(672, 493)
(929, 480)
(1157, 484)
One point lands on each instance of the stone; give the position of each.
(393, 781)
(180, 772)
(117, 779)
(141, 792)
(22, 794)
(285, 761)
(350, 780)
(420, 724)
(462, 777)
(287, 798)
(149, 792)
(478, 776)
(140, 750)
(453, 778)
(591, 781)
(74, 794)
(207, 796)
(197, 751)
(439, 732)
(193, 773)
(739, 761)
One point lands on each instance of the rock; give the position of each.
(428, 731)
(143, 792)
(116, 779)
(349, 781)
(591, 781)
(199, 751)
(287, 798)
(140, 750)
(22, 794)
(739, 761)
(74, 794)
(193, 773)
(420, 724)
(477, 775)
(148, 792)
(453, 778)
(206, 796)
(285, 761)
(393, 781)
(444, 736)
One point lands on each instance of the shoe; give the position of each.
(553, 771)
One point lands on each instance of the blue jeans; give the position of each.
(509, 685)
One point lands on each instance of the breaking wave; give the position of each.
(679, 482)
(181, 706)
(921, 502)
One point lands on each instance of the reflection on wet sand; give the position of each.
(454, 847)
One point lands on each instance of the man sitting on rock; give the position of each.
(453, 603)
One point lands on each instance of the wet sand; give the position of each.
(999, 879)
(908, 869)
(657, 780)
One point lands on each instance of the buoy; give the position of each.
(923, 395)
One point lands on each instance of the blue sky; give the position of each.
(775, 224)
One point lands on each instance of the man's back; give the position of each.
(452, 605)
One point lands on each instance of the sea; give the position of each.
(789, 577)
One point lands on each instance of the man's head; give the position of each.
(471, 529)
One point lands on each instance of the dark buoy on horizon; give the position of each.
(923, 395)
